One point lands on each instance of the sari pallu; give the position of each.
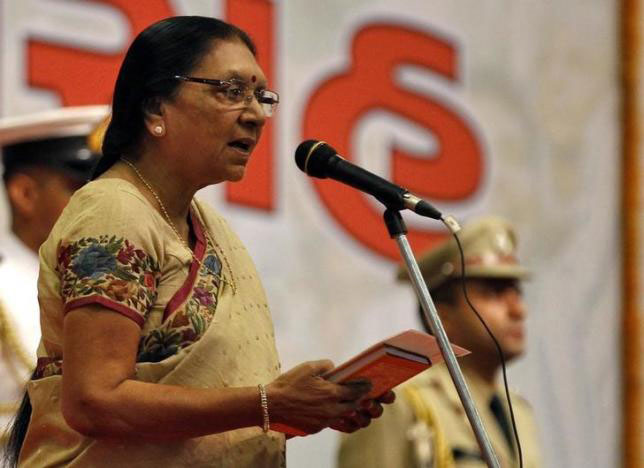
(233, 338)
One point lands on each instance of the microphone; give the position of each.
(318, 159)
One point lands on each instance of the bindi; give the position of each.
(253, 79)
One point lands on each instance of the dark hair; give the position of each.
(173, 46)
(16, 432)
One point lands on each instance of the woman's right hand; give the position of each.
(303, 399)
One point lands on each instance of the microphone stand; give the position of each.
(397, 230)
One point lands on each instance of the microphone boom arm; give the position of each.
(397, 231)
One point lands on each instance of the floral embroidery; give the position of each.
(212, 263)
(114, 269)
(159, 344)
(188, 324)
(108, 267)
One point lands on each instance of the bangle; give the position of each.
(263, 400)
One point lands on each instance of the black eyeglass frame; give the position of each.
(272, 100)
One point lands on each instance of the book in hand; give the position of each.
(386, 364)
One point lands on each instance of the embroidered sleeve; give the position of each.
(110, 271)
(105, 249)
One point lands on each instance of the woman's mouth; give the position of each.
(243, 145)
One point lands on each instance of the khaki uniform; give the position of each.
(404, 437)
(427, 426)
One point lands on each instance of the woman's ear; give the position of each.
(153, 114)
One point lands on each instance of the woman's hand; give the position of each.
(303, 399)
(369, 409)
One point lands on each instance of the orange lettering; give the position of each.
(339, 104)
(83, 77)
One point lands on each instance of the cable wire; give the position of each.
(496, 344)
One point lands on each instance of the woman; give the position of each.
(157, 340)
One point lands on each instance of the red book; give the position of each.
(386, 364)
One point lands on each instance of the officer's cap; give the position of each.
(55, 138)
(489, 246)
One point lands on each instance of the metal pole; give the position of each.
(439, 333)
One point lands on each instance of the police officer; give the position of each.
(45, 159)
(427, 425)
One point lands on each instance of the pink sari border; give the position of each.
(109, 303)
(184, 291)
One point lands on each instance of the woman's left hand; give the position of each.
(370, 409)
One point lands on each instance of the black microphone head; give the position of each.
(313, 156)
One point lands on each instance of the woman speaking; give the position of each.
(158, 346)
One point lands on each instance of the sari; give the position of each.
(112, 247)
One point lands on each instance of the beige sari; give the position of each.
(111, 247)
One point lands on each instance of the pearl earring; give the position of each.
(158, 130)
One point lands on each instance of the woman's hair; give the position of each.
(16, 433)
(173, 46)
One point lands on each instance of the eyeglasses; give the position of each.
(239, 92)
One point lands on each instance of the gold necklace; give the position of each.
(230, 282)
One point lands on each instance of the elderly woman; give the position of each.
(158, 345)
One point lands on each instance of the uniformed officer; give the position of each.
(427, 425)
(45, 159)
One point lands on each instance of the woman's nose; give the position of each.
(253, 113)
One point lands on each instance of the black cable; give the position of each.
(496, 343)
